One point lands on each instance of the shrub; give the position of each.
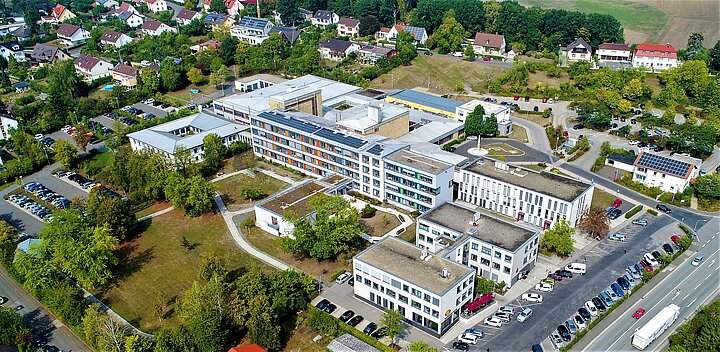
(634, 211)
(652, 212)
(323, 322)
(368, 211)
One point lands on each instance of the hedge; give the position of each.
(633, 211)
(652, 212)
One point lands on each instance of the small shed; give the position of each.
(21, 86)
(350, 343)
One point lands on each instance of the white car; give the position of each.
(493, 322)
(634, 142)
(544, 287)
(468, 338)
(532, 297)
(556, 339)
(506, 309)
(590, 306)
(650, 259)
(524, 315)
(39, 136)
(580, 322)
(342, 278)
(457, 54)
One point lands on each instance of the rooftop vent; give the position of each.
(445, 273)
(476, 217)
(502, 166)
(472, 230)
(424, 254)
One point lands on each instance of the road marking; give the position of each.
(686, 296)
(711, 263)
(693, 301)
(697, 286)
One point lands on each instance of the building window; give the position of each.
(508, 258)
(506, 270)
(435, 301)
(474, 246)
(473, 257)
(403, 299)
(390, 293)
(435, 313)
(415, 304)
(484, 261)
(498, 255)
(485, 250)
(405, 288)
(416, 293)
(424, 227)
(426, 297)
(496, 266)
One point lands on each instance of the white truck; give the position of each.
(655, 327)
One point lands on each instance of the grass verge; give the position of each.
(633, 211)
(602, 199)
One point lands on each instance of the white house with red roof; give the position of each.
(156, 28)
(70, 34)
(154, 5)
(126, 6)
(489, 44)
(614, 52)
(116, 39)
(58, 14)
(233, 7)
(391, 34)
(348, 27)
(186, 16)
(655, 57)
(92, 68)
(669, 174)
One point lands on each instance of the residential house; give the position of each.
(59, 14)
(613, 52)
(290, 35)
(155, 5)
(538, 198)
(578, 50)
(252, 30)
(108, 4)
(324, 18)
(7, 123)
(126, 6)
(125, 75)
(348, 27)
(71, 35)
(115, 39)
(344, 343)
(501, 112)
(489, 44)
(670, 174)
(186, 16)
(390, 34)
(12, 49)
(206, 45)
(306, 15)
(333, 49)
(92, 68)
(369, 54)
(215, 20)
(130, 18)
(234, 7)
(44, 54)
(655, 57)
(21, 86)
(206, 5)
(156, 28)
(24, 32)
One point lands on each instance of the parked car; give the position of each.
(557, 340)
(555, 277)
(355, 320)
(599, 303)
(524, 315)
(675, 239)
(664, 208)
(370, 328)
(342, 277)
(457, 54)
(617, 203)
(585, 313)
(547, 280)
(651, 259)
(507, 310)
(668, 249)
(544, 287)
(346, 316)
(564, 273)
(492, 321)
(614, 214)
(580, 322)
(624, 283)
(458, 345)
(570, 324)
(640, 222)
(379, 333)
(475, 331)
(564, 333)
(616, 237)
(330, 308)
(322, 304)
(428, 53)
(470, 339)
(532, 297)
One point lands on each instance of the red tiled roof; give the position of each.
(489, 40)
(125, 70)
(67, 30)
(110, 37)
(614, 46)
(248, 348)
(656, 50)
(86, 62)
(58, 10)
(151, 25)
(186, 14)
(348, 22)
(384, 30)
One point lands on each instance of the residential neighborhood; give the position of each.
(294, 175)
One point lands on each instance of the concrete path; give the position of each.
(157, 213)
(222, 177)
(240, 239)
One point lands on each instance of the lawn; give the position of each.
(271, 245)
(153, 208)
(519, 134)
(633, 16)
(538, 119)
(498, 149)
(155, 262)
(230, 188)
(535, 167)
(239, 162)
(602, 199)
(440, 75)
(380, 223)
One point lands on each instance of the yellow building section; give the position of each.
(420, 107)
(395, 128)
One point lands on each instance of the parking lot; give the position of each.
(605, 262)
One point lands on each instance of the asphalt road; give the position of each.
(696, 285)
(35, 315)
(531, 155)
(605, 262)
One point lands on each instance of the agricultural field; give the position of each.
(659, 21)
(440, 75)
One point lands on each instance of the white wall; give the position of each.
(272, 223)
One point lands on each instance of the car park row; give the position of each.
(43, 193)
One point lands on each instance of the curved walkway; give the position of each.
(404, 219)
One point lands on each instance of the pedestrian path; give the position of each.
(405, 220)
(157, 213)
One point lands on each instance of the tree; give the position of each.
(596, 223)
(218, 6)
(469, 53)
(219, 76)
(190, 4)
(111, 212)
(289, 11)
(137, 343)
(334, 230)
(492, 12)
(708, 185)
(65, 153)
(483, 285)
(104, 332)
(448, 37)
(82, 136)
(211, 266)
(12, 330)
(694, 45)
(8, 237)
(215, 151)
(393, 321)
(420, 346)
(149, 81)
(559, 238)
(205, 313)
(476, 124)
(170, 77)
(715, 57)
(369, 24)
(195, 76)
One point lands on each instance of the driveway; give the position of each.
(605, 262)
(531, 155)
(35, 315)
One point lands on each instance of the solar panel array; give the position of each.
(417, 32)
(376, 149)
(252, 22)
(290, 122)
(341, 138)
(311, 128)
(663, 164)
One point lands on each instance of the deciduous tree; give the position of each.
(215, 151)
(393, 321)
(369, 24)
(448, 37)
(82, 136)
(559, 239)
(596, 223)
(65, 153)
(195, 76)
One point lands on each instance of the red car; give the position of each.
(566, 134)
(675, 239)
(486, 58)
(544, 100)
(517, 97)
(616, 204)
(639, 313)
(646, 265)
(555, 277)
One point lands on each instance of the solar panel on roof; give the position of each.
(340, 138)
(376, 149)
(663, 164)
(290, 122)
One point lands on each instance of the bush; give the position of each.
(368, 211)
(652, 212)
(323, 322)
(634, 211)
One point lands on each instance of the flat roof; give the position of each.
(402, 259)
(544, 182)
(263, 77)
(490, 108)
(433, 131)
(418, 161)
(358, 117)
(430, 100)
(490, 229)
(294, 199)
